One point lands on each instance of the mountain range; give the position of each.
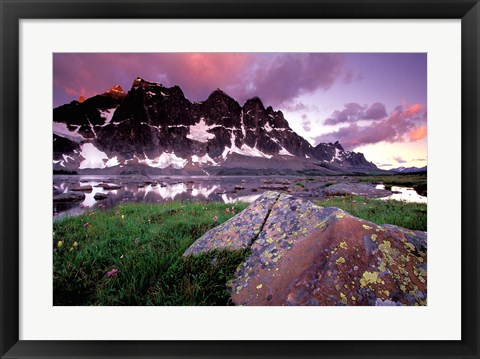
(156, 130)
(408, 169)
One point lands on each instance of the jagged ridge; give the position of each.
(157, 126)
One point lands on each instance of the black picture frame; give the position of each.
(13, 10)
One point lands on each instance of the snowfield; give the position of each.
(94, 158)
(165, 160)
(198, 132)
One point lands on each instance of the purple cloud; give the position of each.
(296, 107)
(306, 123)
(287, 76)
(351, 76)
(376, 111)
(355, 112)
(399, 159)
(275, 78)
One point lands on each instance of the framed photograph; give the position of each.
(239, 179)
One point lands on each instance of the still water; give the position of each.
(404, 194)
(167, 189)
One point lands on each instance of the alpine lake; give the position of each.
(115, 190)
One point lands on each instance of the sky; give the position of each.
(374, 103)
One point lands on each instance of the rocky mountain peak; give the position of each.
(115, 92)
(338, 145)
(254, 103)
(138, 82)
(117, 89)
(219, 95)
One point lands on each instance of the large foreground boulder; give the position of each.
(303, 254)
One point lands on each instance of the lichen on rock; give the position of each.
(238, 232)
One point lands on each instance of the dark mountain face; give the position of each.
(89, 116)
(158, 127)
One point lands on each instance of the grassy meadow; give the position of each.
(132, 255)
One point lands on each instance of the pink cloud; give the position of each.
(418, 133)
(70, 91)
(401, 125)
(412, 110)
(197, 74)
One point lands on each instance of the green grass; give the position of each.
(300, 184)
(406, 180)
(145, 243)
(407, 215)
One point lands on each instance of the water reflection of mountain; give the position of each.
(143, 193)
(228, 189)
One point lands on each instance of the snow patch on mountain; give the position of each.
(107, 115)
(117, 123)
(267, 127)
(92, 128)
(112, 162)
(61, 129)
(198, 132)
(204, 159)
(336, 156)
(253, 152)
(165, 160)
(245, 150)
(60, 162)
(242, 124)
(67, 157)
(408, 169)
(94, 158)
(232, 148)
(159, 128)
(284, 152)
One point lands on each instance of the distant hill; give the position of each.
(408, 169)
